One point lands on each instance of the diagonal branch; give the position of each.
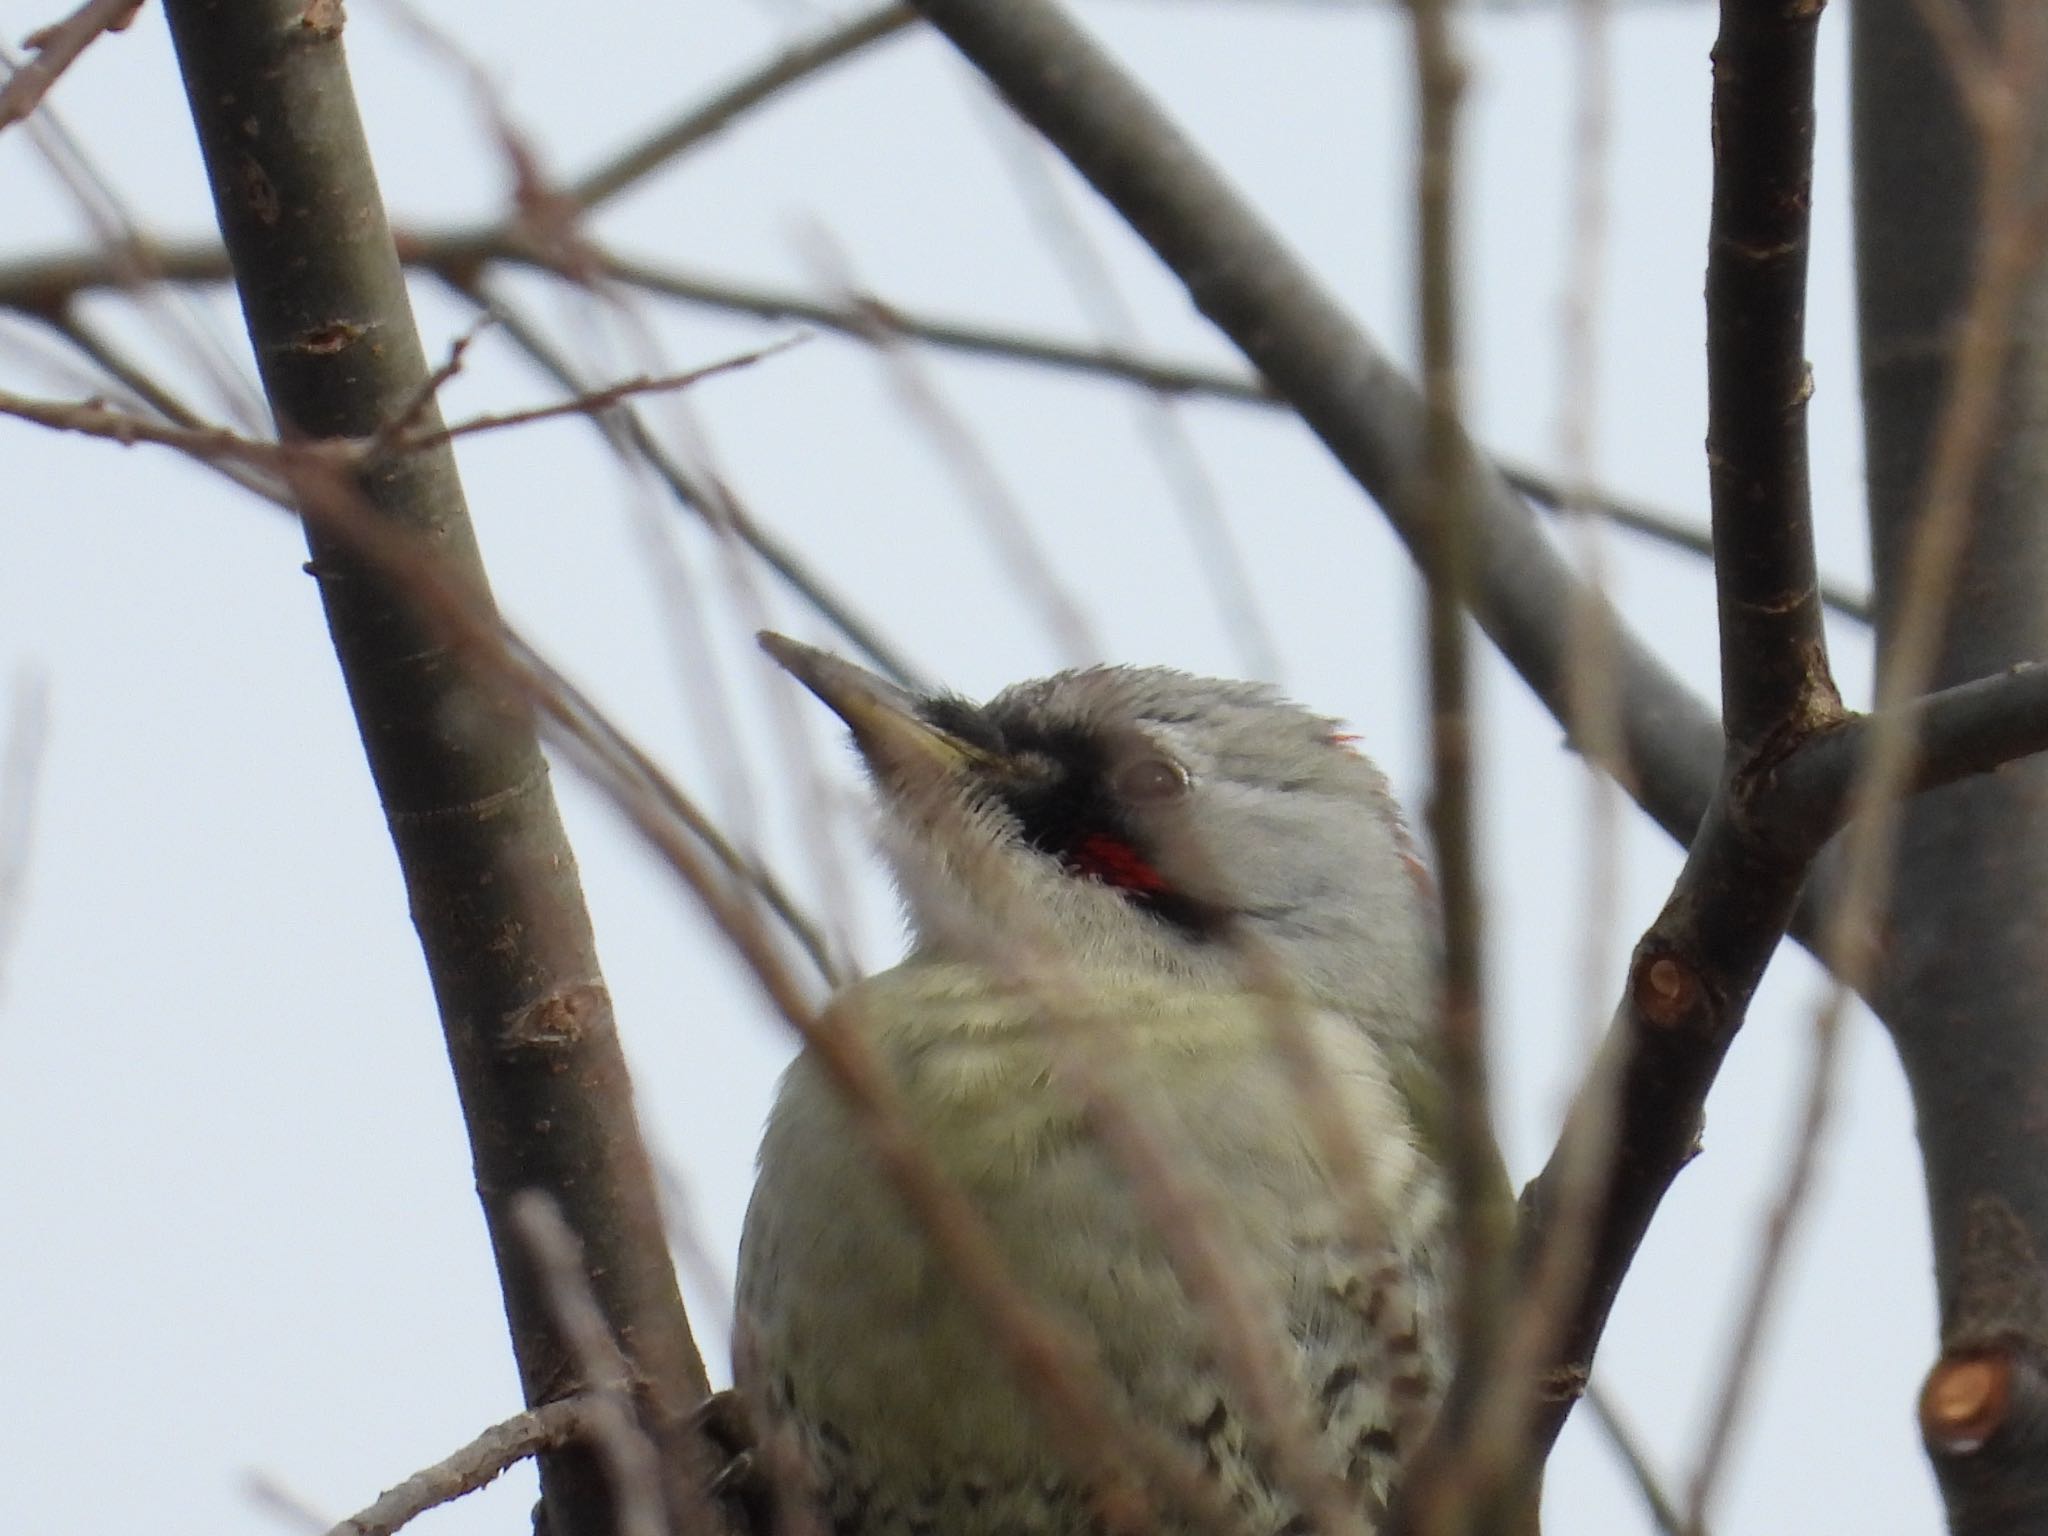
(697, 123)
(57, 48)
(475, 1465)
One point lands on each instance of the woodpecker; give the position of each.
(1183, 898)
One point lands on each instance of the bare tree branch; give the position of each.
(1776, 687)
(614, 1430)
(1774, 669)
(57, 48)
(1971, 728)
(477, 1464)
(528, 1025)
(34, 284)
(1948, 143)
(690, 128)
(1664, 1511)
(21, 759)
(1468, 1486)
(716, 504)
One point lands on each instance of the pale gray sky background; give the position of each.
(239, 1231)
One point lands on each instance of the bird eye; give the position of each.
(1150, 779)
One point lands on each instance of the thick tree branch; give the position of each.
(1696, 969)
(1774, 671)
(1776, 688)
(1972, 728)
(490, 877)
(1951, 123)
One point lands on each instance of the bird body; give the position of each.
(1074, 961)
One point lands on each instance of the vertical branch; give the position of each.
(490, 877)
(1471, 1159)
(1776, 688)
(1774, 671)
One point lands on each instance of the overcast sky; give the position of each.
(240, 1232)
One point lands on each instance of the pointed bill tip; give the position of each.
(883, 718)
(832, 678)
(784, 650)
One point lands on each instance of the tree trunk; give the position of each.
(1964, 969)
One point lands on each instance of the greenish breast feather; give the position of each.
(855, 1344)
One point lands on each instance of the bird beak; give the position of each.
(897, 744)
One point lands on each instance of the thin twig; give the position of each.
(540, 213)
(57, 48)
(765, 82)
(1596, 709)
(1663, 1509)
(1465, 1484)
(284, 1503)
(1161, 425)
(1657, 525)
(1547, 1287)
(592, 402)
(457, 257)
(426, 397)
(73, 326)
(546, 1428)
(713, 503)
(976, 475)
(606, 1416)
(28, 725)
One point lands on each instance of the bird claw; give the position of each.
(739, 1478)
(740, 1483)
(722, 1419)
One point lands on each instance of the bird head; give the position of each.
(1139, 819)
